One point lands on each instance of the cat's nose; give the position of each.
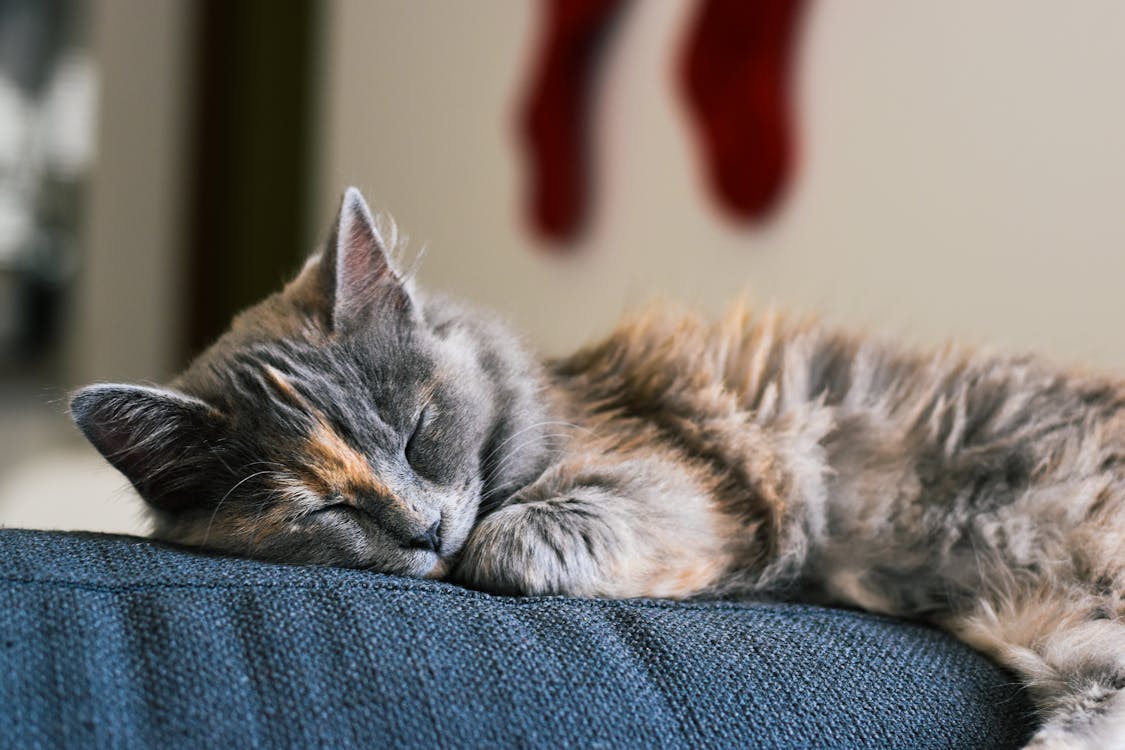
(430, 539)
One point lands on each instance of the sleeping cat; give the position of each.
(351, 420)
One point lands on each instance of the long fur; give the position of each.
(352, 420)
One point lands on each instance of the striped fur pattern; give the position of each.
(350, 420)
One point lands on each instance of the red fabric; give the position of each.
(555, 116)
(735, 77)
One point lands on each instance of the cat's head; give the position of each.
(335, 422)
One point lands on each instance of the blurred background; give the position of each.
(950, 170)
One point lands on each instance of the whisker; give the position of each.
(207, 531)
(265, 463)
(516, 434)
(494, 475)
(497, 469)
(546, 437)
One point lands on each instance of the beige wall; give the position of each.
(964, 169)
(125, 318)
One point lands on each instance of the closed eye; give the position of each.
(336, 508)
(411, 442)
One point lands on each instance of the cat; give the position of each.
(351, 420)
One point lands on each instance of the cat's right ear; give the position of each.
(356, 269)
(161, 440)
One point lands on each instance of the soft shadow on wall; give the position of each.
(252, 164)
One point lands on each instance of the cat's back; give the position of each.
(768, 359)
(857, 394)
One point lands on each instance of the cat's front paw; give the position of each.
(541, 547)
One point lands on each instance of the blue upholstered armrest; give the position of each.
(108, 641)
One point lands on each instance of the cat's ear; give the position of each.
(358, 271)
(161, 440)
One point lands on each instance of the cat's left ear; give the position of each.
(355, 266)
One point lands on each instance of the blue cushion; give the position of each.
(111, 641)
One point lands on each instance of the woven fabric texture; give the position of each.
(119, 642)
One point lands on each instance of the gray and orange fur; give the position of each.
(351, 420)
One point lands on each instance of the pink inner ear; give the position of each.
(361, 265)
(363, 273)
(361, 255)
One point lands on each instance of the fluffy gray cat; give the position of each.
(350, 420)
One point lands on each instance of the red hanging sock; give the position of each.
(735, 77)
(554, 121)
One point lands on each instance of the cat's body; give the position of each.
(350, 420)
